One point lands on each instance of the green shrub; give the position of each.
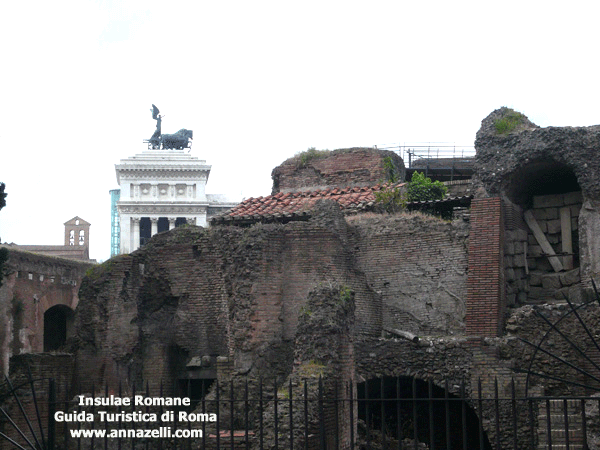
(303, 158)
(509, 122)
(421, 189)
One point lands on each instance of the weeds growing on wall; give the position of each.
(421, 189)
(509, 122)
(393, 199)
(303, 158)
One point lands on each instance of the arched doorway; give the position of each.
(58, 324)
(409, 410)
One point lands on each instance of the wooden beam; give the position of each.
(566, 238)
(540, 237)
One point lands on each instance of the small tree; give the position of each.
(421, 189)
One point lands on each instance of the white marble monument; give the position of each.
(161, 189)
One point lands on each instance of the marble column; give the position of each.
(154, 229)
(136, 233)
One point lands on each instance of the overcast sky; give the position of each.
(260, 81)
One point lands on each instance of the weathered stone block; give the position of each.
(553, 238)
(575, 294)
(520, 234)
(510, 274)
(511, 299)
(531, 240)
(509, 248)
(561, 294)
(531, 263)
(569, 278)
(534, 251)
(543, 265)
(551, 281)
(545, 213)
(572, 198)
(548, 201)
(518, 261)
(522, 297)
(575, 210)
(536, 292)
(554, 226)
(519, 247)
(535, 279)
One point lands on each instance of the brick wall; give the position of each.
(485, 285)
(339, 168)
(418, 264)
(32, 284)
(223, 291)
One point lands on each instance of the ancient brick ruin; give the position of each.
(316, 283)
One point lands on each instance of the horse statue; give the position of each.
(176, 141)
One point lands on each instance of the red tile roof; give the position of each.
(299, 204)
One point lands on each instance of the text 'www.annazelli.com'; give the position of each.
(161, 432)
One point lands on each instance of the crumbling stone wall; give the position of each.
(532, 161)
(338, 168)
(31, 285)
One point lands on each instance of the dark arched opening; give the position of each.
(539, 178)
(403, 408)
(58, 323)
(542, 248)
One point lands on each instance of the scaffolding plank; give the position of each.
(541, 239)
(566, 237)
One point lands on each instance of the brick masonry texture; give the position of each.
(485, 287)
(31, 285)
(239, 292)
(338, 168)
(419, 265)
(221, 291)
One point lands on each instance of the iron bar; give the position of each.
(548, 425)
(231, 408)
(217, 404)
(566, 417)
(382, 412)
(351, 401)
(275, 415)
(431, 418)
(463, 415)
(291, 395)
(513, 401)
(398, 412)
(37, 409)
(562, 360)
(480, 411)
(497, 411)
(305, 400)
(29, 425)
(367, 416)
(260, 412)
(415, 416)
(322, 440)
(447, 409)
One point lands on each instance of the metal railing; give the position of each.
(385, 413)
(411, 153)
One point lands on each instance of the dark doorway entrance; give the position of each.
(58, 323)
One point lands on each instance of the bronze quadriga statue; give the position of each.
(176, 141)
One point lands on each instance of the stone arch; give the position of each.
(539, 178)
(400, 405)
(58, 326)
